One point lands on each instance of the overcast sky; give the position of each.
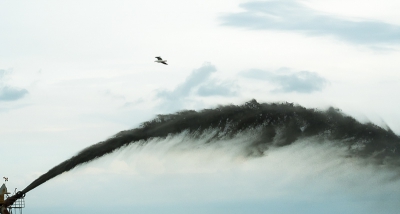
(74, 73)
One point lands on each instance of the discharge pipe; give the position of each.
(10, 201)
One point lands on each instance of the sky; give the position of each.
(74, 73)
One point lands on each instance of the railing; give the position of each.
(19, 203)
(16, 207)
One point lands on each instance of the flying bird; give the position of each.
(160, 60)
(5, 178)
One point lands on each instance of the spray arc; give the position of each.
(276, 125)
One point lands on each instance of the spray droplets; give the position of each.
(272, 125)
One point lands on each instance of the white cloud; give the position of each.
(287, 81)
(291, 15)
(7, 92)
(200, 83)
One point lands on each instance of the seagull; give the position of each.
(5, 178)
(160, 60)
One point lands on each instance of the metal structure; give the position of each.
(11, 204)
(16, 207)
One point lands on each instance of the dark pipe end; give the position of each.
(20, 194)
(10, 201)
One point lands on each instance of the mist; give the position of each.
(179, 174)
(304, 143)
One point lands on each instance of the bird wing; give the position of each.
(159, 58)
(164, 63)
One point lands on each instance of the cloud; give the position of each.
(9, 93)
(213, 88)
(292, 16)
(197, 83)
(301, 82)
(197, 77)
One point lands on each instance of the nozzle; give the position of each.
(20, 194)
(10, 201)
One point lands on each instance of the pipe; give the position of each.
(10, 201)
